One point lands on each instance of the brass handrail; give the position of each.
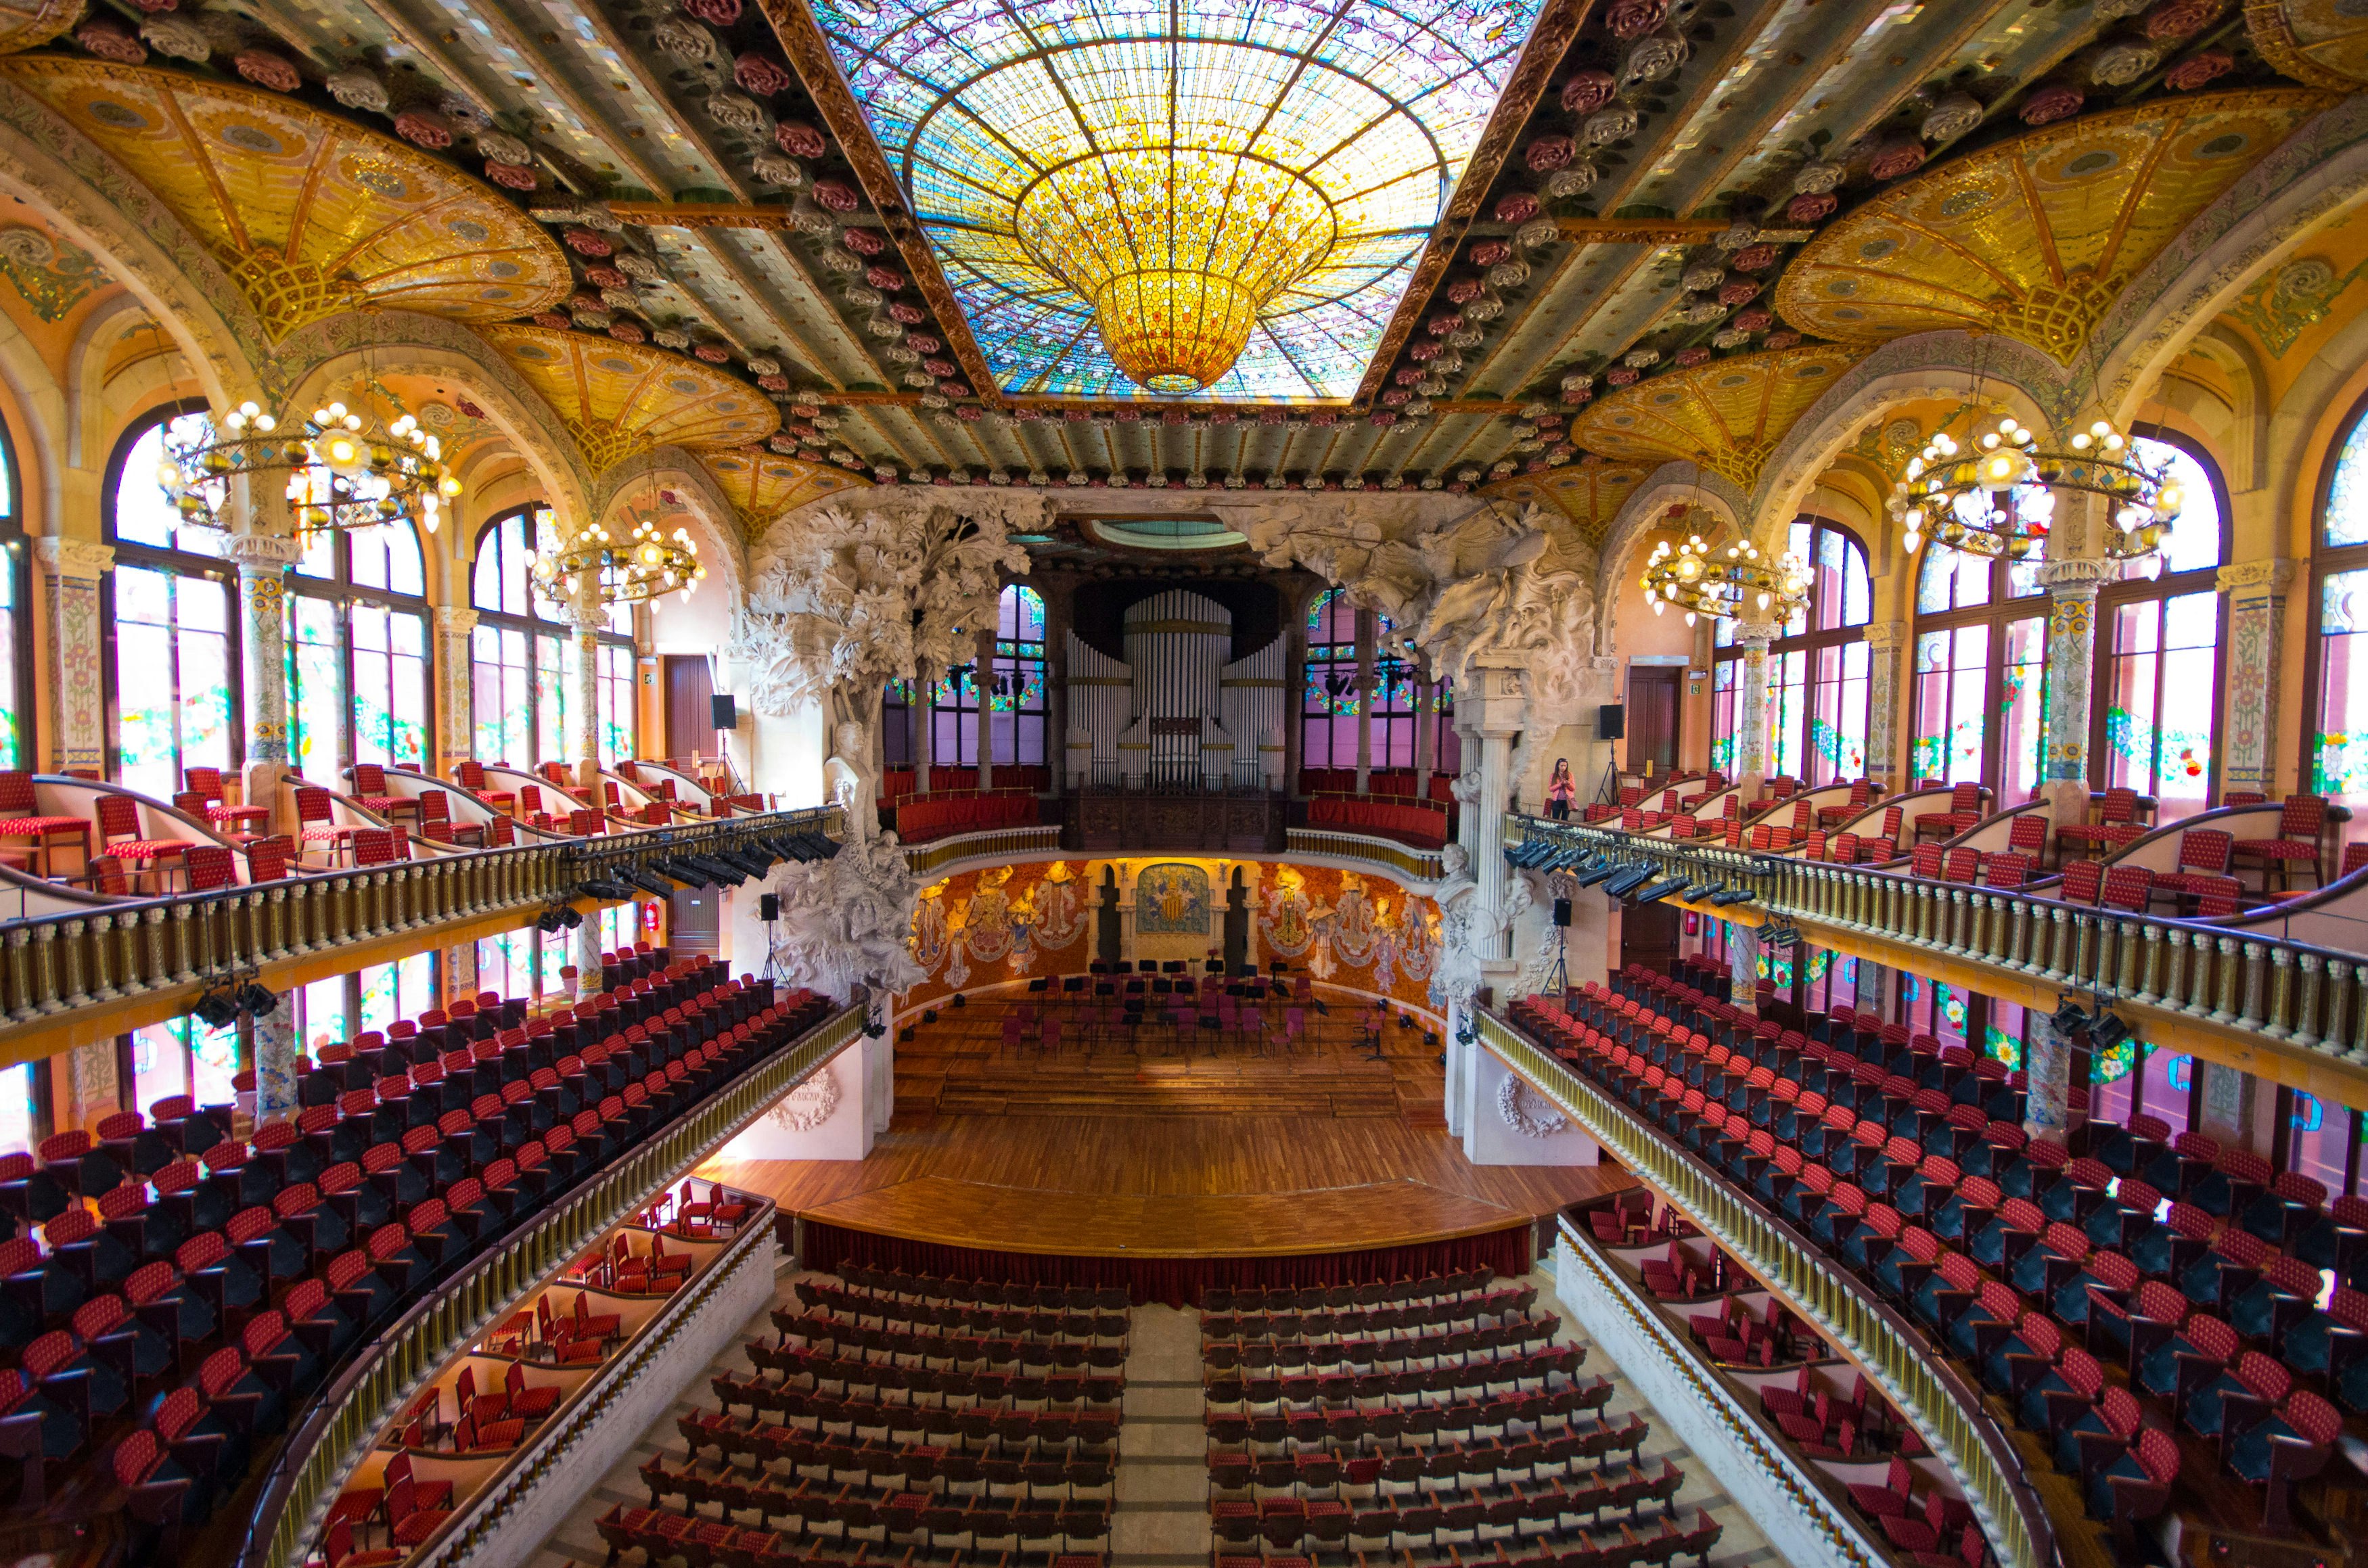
(1000, 844)
(334, 1438)
(146, 959)
(2288, 1010)
(1393, 858)
(1946, 1411)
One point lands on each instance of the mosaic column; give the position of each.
(276, 1048)
(2047, 1081)
(1743, 966)
(460, 975)
(1365, 701)
(588, 958)
(2071, 659)
(2228, 1104)
(1751, 705)
(263, 560)
(456, 740)
(588, 621)
(93, 1088)
(70, 571)
(1883, 642)
(2256, 591)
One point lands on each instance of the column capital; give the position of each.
(1886, 636)
(62, 557)
(458, 620)
(1760, 632)
(261, 552)
(2277, 576)
(2081, 574)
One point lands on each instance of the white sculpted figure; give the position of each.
(846, 921)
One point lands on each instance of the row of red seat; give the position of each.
(241, 1275)
(1399, 782)
(1414, 825)
(920, 818)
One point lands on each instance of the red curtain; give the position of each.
(1177, 1282)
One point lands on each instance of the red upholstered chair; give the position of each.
(120, 836)
(2027, 836)
(2204, 854)
(370, 792)
(207, 783)
(2128, 887)
(2117, 814)
(1964, 814)
(316, 825)
(2083, 879)
(1861, 795)
(22, 817)
(1963, 864)
(2006, 869)
(2300, 824)
(210, 866)
(1926, 862)
(471, 776)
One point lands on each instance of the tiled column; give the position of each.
(276, 1048)
(1884, 641)
(1743, 965)
(2071, 659)
(460, 973)
(1365, 633)
(588, 620)
(70, 571)
(2256, 592)
(263, 560)
(1751, 705)
(2047, 1075)
(587, 956)
(456, 735)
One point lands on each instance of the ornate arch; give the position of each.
(719, 548)
(99, 205)
(2321, 170)
(1928, 364)
(330, 354)
(1674, 483)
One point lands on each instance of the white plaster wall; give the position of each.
(1489, 1140)
(846, 1136)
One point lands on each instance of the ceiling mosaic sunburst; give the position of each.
(2323, 42)
(1589, 494)
(1142, 197)
(1728, 415)
(761, 486)
(310, 214)
(2034, 237)
(619, 400)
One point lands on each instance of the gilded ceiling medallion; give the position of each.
(1728, 414)
(619, 400)
(309, 214)
(2034, 237)
(761, 486)
(1590, 495)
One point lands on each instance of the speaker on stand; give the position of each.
(1611, 724)
(1559, 980)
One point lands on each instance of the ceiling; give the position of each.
(1622, 229)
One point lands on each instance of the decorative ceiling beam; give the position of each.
(1642, 231)
(701, 214)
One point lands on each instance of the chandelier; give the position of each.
(646, 563)
(1176, 250)
(1995, 494)
(1726, 587)
(339, 472)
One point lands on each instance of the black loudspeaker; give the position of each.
(1610, 722)
(768, 908)
(723, 713)
(1561, 911)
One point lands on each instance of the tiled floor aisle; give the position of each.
(1162, 1515)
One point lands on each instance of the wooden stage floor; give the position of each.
(1254, 1151)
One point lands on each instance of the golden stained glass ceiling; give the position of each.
(1316, 139)
(1728, 414)
(620, 399)
(310, 214)
(761, 486)
(2034, 237)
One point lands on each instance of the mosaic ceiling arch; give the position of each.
(1344, 115)
(310, 214)
(1589, 494)
(2034, 237)
(761, 486)
(1728, 415)
(619, 400)
(2323, 42)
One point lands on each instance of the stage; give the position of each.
(1249, 1149)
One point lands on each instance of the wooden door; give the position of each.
(1652, 716)
(693, 923)
(689, 723)
(1648, 935)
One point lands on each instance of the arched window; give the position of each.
(1816, 670)
(172, 635)
(1327, 735)
(2337, 761)
(358, 672)
(15, 651)
(1015, 697)
(1394, 703)
(524, 658)
(2157, 649)
(1981, 672)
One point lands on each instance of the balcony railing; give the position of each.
(2236, 987)
(104, 971)
(335, 1436)
(1946, 1411)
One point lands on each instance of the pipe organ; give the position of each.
(1176, 713)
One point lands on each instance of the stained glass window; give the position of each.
(524, 672)
(172, 670)
(1816, 670)
(1361, 118)
(1329, 698)
(1015, 702)
(1952, 686)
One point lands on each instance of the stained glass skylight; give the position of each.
(1369, 111)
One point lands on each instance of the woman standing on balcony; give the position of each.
(1559, 790)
